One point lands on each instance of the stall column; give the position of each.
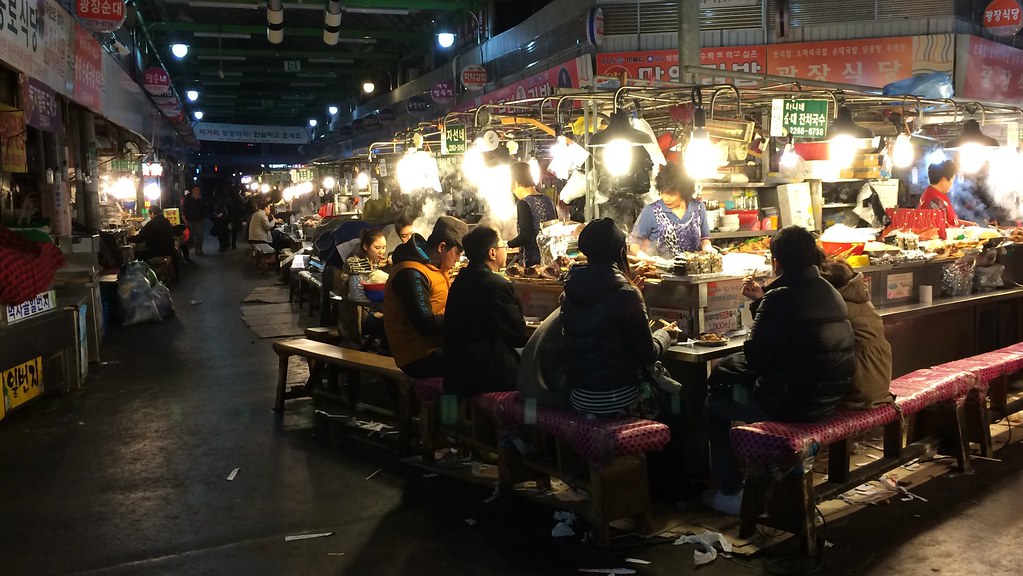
(88, 169)
(56, 180)
(688, 38)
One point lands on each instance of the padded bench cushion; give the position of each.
(988, 366)
(429, 389)
(263, 249)
(598, 440)
(783, 443)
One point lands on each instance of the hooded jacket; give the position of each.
(414, 301)
(801, 347)
(873, 352)
(607, 338)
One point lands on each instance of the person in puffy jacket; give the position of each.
(607, 338)
(796, 365)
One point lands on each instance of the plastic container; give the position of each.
(845, 249)
(748, 219)
(374, 292)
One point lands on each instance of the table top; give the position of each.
(698, 353)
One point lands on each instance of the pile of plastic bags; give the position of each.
(143, 297)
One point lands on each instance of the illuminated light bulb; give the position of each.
(445, 39)
(701, 159)
(902, 152)
(972, 157)
(617, 157)
(495, 192)
(332, 110)
(151, 191)
(534, 169)
(328, 183)
(418, 171)
(789, 158)
(254, 186)
(264, 188)
(362, 180)
(513, 147)
(179, 50)
(842, 151)
(473, 167)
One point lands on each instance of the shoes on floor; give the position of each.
(730, 504)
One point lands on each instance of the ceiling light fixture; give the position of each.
(198, 114)
(312, 122)
(387, 11)
(368, 87)
(332, 22)
(179, 50)
(240, 35)
(331, 60)
(225, 5)
(218, 73)
(192, 95)
(445, 39)
(230, 58)
(332, 110)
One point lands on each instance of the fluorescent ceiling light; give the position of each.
(227, 5)
(393, 11)
(220, 96)
(316, 75)
(217, 73)
(332, 60)
(297, 97)
(222, 83)
(222, 35)
(307, 84)
(358, 40)
(225, 58)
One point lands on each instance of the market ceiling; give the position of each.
(243, 78)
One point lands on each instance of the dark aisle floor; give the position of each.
(128, 477)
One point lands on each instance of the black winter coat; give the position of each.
(483, 325)
(607, 336)
(802, 347)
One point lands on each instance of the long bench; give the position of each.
(344, 358)
(605, 456)
(263, 257)
(779, 455)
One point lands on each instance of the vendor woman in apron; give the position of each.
(674, 224)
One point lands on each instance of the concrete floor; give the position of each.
(128, 477)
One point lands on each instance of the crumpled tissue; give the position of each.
(564, 525)
(705, 551)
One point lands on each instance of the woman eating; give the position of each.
(674, 224)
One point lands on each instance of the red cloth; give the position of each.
(937, 200)
(26, 267)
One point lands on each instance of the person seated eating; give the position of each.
(157, 234)
(674, 224)
(483, 322)
(606, 333)
(797, 363)
(416, 294)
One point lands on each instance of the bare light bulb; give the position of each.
(902, 151)
(701, 159)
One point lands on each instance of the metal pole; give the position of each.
(688, 38)
(88, 170)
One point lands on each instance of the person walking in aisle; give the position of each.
(194, 209)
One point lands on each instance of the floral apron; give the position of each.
(677, 236)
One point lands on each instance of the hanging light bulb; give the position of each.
(903, 154)
(789, 158)
(264, 188)
(617, 157)
(619, 142)
(701, 159)
(328, 183)
(362, 180)
(973, 146)
(534, 169)
(844, 137)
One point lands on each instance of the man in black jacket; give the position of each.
(483, 322)
(158, 235)
(193, 208)
(796, 365)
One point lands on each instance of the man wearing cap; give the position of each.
(416, 295)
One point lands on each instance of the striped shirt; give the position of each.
(605, 402)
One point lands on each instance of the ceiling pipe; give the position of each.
(275, 21)
(332, 22)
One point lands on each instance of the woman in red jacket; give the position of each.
(935, 197)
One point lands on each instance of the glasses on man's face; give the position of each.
(502, 244)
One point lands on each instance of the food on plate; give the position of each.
(377, 277)
(690, 263)
(514, 270)
(712, 337)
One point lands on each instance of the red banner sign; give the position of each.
(1003, 18)
(661, 66)
(443, 92)
(156, 81)
(101, 15)
(994, 72)
(871, 62)
(575, 73)
(88, 70)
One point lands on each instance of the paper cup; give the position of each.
(926, 294)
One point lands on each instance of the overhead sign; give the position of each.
(1003, 18)
(292, 65)
(443, 92)
(100, 15)
(124, 165)
(595, 26)
(416, 105)
(474, 77)
(22, 383)
(660, 67)
(156, 81)
(88, 70)
(39, 102)
(993, 72)
(454, 140)
(800, 118)
(575, 73)
(214, 132)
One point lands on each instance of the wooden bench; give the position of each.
(328, 354)
(472, 424)
(311, 284)
(263, 257)
(780, 455)
(605, 456)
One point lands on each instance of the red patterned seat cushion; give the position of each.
(429, 389)
(492, 404)
(786, 443)
(598, 440)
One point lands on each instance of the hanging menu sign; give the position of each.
(101, 15)
(88, 70)
(39, 103)
(800, 118)
(454, 141)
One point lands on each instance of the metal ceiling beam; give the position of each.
(258, 32)
(268, 53)
(212, 67)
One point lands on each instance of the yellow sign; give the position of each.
(173, 215)
(13, 157)
(22, 383)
